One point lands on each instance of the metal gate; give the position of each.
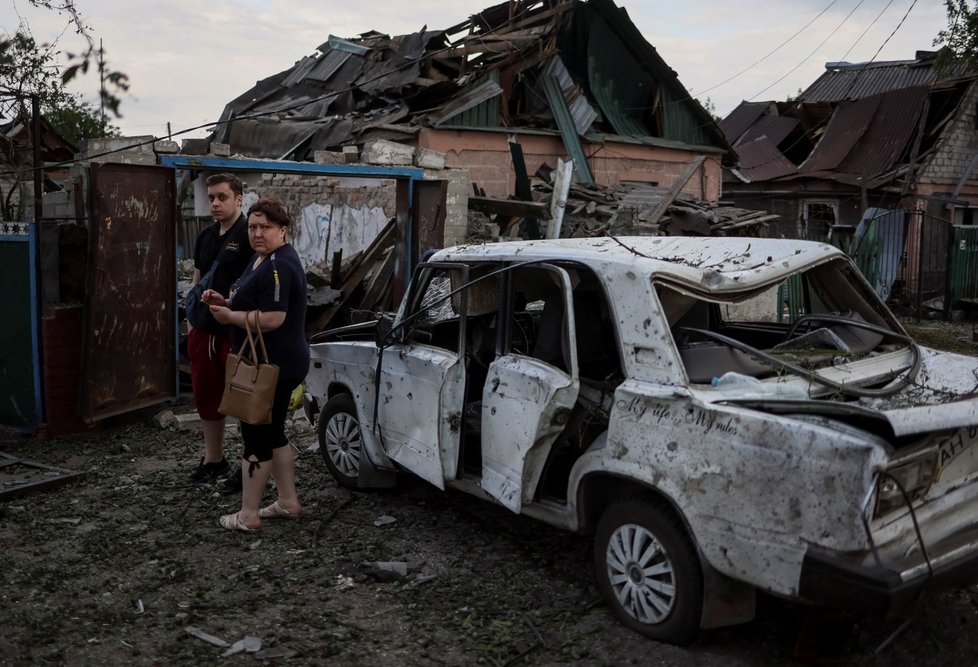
(129, 352)
(964, 268)
(20, 380)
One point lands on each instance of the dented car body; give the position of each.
(723, 415)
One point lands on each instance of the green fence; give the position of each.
(20, 383)
(964, 267)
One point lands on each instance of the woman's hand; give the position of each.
(221, 313)
(213, 298)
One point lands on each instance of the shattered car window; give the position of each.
(821, 318)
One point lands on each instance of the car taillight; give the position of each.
(914, 476)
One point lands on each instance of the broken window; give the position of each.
(813, 319)
(817, 218)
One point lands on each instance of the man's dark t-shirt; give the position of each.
(232, 251)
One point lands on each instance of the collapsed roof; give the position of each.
(550, 65)
(856, 124)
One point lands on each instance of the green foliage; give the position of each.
(75, 120)
(27, 68)
(711, 109)
(960, 37)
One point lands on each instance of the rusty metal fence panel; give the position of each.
(129, 351)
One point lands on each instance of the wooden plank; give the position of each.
(562, 183)
(509, 207)
(336, 269)
(379, 283)
(676, 188)
(745, 223)
(355, 276)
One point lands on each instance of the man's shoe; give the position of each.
(207, 473)
(230, 485)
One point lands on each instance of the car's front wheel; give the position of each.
(339, 439)
(648, 571)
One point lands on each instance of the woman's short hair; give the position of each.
(273, 209)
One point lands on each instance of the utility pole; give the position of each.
(101, 84)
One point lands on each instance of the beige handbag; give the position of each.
(249, 386)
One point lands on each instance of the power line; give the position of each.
(771, 53)
(792, 70)
(885, 41)
(871, 24)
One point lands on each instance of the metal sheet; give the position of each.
(129, 352)
(772, 128)
(761, 160)
(848, 81)
(844, 131)
(867, 137)
(741, 119)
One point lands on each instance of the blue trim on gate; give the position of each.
(239, 164)
(30, 238)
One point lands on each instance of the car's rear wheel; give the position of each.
(339, 439)
(648, 571)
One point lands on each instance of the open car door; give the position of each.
(528, 397)
(422, 379)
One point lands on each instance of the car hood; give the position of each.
(943, 395)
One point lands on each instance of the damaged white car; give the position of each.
(722, 414)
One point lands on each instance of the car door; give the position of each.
(422, 377)
(528, 397)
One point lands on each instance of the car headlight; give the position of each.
(914, 476)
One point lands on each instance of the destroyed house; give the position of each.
(562, 78)
(861, 138)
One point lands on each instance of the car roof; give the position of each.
(714, 264)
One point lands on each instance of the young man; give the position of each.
(226, 241)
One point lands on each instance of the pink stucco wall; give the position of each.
(487, 158)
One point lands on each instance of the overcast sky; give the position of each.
(187, 58)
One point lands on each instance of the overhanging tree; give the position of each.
(961, 35)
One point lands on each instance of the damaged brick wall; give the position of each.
(301, 191)
(486, 156)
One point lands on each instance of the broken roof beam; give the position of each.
(521, 19)
(509, 207)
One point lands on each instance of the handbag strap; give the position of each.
(249, 346)
(261, 339)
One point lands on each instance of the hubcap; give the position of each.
(641, 574)
(343, 443)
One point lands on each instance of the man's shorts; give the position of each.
(208, 353)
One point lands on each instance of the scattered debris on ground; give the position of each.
(127, 565)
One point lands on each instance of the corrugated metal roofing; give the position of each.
(741, 118)
(845, 129)
(762, 161)
(774, 128)
(880, 145)
(847, 81)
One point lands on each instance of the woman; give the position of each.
(274, 285)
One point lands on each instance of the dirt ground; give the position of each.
(128, 566)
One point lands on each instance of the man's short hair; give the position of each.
(237, 187)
